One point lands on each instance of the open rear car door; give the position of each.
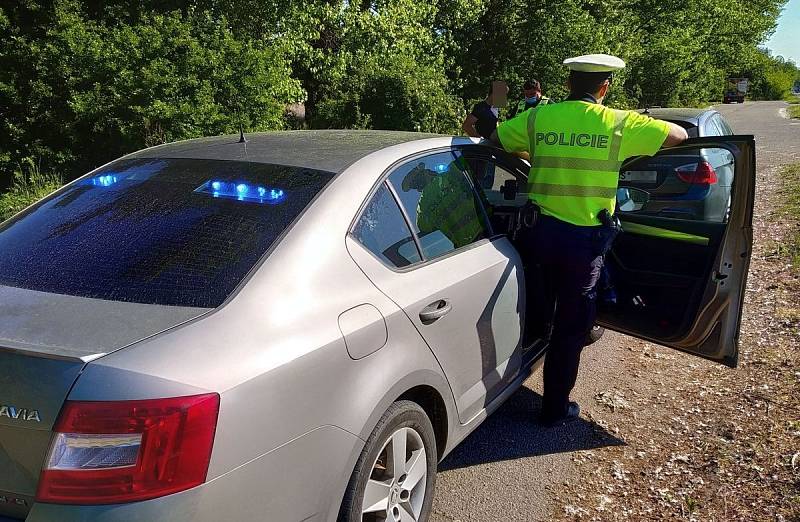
(680, 282)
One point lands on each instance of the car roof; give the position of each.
(328, 150)
(684, 114)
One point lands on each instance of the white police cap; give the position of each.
(594, 63)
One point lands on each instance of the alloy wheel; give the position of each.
(395, 491)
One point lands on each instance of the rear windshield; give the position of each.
(179, 232)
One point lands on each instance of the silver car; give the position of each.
(300, 327)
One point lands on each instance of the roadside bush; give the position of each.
(29, 186)
(392, 94)
(84, 93)
(772, 76)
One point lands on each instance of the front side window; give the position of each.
(181, 232)
(384, 232)
(496, 180)
(440, 202)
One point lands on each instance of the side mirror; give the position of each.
(509, 189)
(631, 199)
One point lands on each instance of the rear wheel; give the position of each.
(394, 477)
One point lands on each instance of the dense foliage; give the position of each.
(84, 81)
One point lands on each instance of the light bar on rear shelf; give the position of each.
(242, 191)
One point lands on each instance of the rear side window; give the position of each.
(713, 127)
(384, 232)
(441, 204)
(722, 127)
(181, 232)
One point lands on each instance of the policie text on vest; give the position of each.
(598, 141)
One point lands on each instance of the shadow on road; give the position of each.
(513, 432)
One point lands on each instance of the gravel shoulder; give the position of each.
(663, 435)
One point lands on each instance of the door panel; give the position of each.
(465, 295)
(681, 282)
(493, 171)
(477, 341)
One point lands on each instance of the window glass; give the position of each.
(723, 125)
(158, 231)
(441, 204)
(494, 179)
(713, 127)
(383, 231)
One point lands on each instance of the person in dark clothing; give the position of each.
(482, 121)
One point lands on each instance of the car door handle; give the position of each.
(435, 311)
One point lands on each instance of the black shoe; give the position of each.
(571, 412)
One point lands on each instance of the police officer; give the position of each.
(577, 148)
(531, 97)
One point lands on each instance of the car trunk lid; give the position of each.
(45, 341)
(658, 175)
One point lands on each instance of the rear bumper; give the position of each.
(708, 204)
(301, 480)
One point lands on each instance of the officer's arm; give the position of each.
(496, 142)
(469, 126)
(676, 136)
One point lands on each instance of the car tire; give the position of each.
(594, 334)
(404, 426)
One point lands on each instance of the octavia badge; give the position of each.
(24, 414)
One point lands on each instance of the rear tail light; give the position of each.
(114, 452)
(701, 173)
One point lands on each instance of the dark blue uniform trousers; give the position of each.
(571, 261)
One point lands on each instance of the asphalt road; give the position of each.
(510, 468)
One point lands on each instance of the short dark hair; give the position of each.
(532, 85)
(587, 82)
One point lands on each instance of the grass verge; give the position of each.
(791, 98)
(28, 187)
(790, 209)
(794, 111)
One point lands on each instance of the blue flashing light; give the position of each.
(242, 191)
(104, 181)
(441, 167)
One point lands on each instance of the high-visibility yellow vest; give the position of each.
(448, 204)
(521, 106)
(577, 149)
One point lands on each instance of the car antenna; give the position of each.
(242, 139)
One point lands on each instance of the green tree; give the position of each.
(84, 92)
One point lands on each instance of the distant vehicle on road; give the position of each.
(300, 327)
(735, 90)
(695, 185)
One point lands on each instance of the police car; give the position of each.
(299, 326)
